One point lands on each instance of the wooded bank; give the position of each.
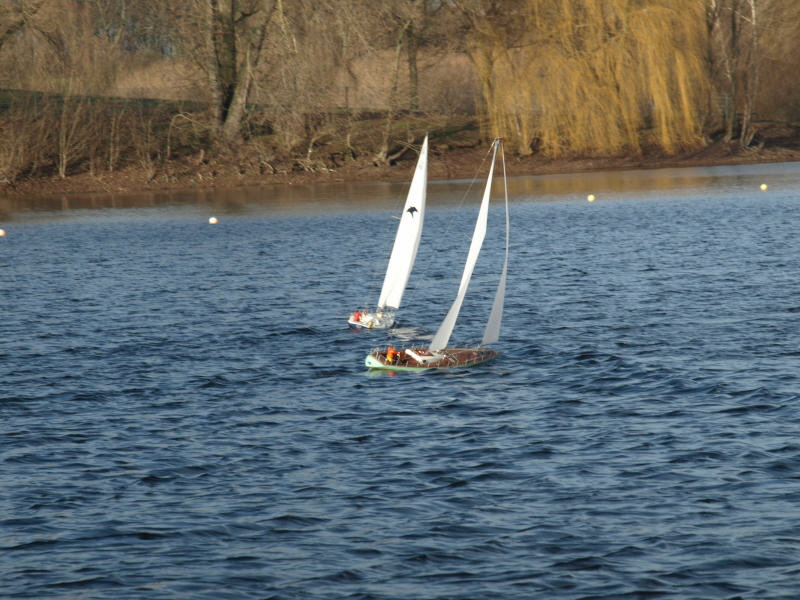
(133, 94)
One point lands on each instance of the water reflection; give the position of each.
(284, 199)
(365, 197)
(671, 181)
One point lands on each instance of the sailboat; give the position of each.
(404, 252)
(437, 355)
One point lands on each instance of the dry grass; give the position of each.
(162, 80)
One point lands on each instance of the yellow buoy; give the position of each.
(213, 220)
(590, 197)
(764, 187)
(2, 232)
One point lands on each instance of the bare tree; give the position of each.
(724, 25)
(400, 19)
(14, 15)
(751, 17)
(777, 97)
(735, 27)
(232, 36)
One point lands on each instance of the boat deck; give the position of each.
(450, 358)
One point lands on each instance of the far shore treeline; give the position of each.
(164, 89)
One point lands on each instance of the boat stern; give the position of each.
(374, 362)
(382, 319)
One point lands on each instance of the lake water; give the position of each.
(185, 415)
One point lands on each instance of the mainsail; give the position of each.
(442, 337)
(406, 242)
(492, 332)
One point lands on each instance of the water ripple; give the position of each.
(186, 415)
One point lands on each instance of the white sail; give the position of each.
(442, 336)
(492, 332)
(406, 242)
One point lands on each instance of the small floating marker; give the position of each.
(764, 187)
(590, 197)
(2, 232)
(213, 220)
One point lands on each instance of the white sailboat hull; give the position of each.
(379, 319)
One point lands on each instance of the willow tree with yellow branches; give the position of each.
(591, 77)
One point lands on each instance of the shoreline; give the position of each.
(445, 164)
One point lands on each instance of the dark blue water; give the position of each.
(184, 413)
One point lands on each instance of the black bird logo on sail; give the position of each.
(412, 210)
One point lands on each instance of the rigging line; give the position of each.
(501, 147)
(479, 175)
(373, 287)
(485, 173)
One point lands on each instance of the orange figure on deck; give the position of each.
(390, 354)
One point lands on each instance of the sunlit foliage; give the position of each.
(596, 76)
(83, 83)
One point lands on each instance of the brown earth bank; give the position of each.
(445, 162)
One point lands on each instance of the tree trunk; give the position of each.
(413, 72)
(383, 153)
(751, 80)
(212, 66)
(234, 42)
(232, 125)
(732, 70)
